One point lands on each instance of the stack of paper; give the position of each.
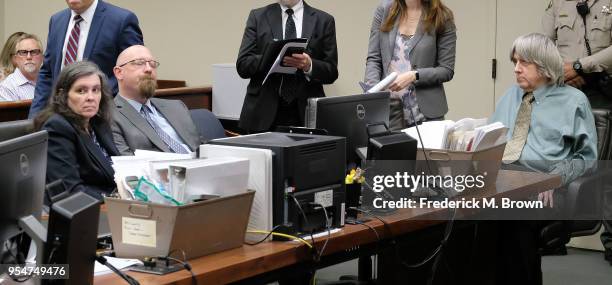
(459, 135)
(119, 263)
(432, 133)
(464, 135)
(260, 180)
(138, 166)
(489, 135)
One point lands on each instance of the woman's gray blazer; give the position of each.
(433, 56)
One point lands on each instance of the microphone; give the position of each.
(405, 99)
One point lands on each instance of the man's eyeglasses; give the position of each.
(141, 62)
(24, 53)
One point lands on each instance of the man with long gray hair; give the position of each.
(551, 130)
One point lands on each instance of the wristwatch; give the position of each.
(577, 67)
(416, 75)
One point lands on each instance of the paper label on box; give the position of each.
(325, 198)
(139, 232)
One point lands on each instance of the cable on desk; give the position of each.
(129, 279)
(327, 224)
(371, 228)
(265, 238)
(281, 235)
(299, 206)
(434, 253)
(301, 210)
(385, 224)
(185, 264)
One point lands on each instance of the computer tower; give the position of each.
(307, 169)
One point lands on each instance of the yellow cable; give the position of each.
(281, 235)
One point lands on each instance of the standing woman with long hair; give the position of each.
(416, 39)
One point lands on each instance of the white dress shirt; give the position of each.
(84, 26)
(298, 17)
(16, 87)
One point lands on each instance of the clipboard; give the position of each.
(271, 61)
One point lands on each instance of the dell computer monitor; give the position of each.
(23, 165)
(348, 116)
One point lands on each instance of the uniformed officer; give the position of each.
(588, 59)
(582, 30)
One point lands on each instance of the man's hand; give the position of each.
(402, 81)
(298, 60)
(568, 71)
(547, 197)
(577, 82)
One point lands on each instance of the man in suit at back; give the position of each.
(88, 30)
(143, 122)
(282, 99)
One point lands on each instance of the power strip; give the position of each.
(159, 269)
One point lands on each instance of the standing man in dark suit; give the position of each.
(143, 122)
(282, 99)
(88, 29)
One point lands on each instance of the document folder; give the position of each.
(141, 229)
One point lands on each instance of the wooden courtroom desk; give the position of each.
(14, 110)
(193, 97)
(250, 261)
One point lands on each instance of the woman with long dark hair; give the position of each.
(80, 139)
(416, 39)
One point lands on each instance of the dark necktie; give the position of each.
(72, 48)
(97, 143)
(167, 139)
(290, 30)
(287, 89)
(514, 147)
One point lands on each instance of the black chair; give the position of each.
(13, 129)
(209, 127)
(584, 196)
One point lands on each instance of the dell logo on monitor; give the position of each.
(360, 111)
(24, 164)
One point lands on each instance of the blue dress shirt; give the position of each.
(160, 120)
(562, 138)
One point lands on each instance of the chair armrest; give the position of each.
(590, 182)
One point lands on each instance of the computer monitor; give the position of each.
(348, 116)
(23, 167)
